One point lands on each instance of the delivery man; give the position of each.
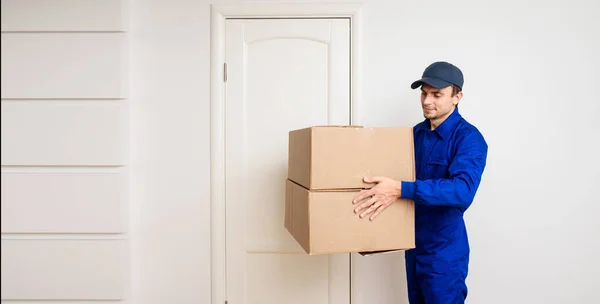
(450, 156)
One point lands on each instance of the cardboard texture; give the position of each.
(325, 172)
(331, 157)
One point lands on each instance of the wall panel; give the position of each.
(63, 269)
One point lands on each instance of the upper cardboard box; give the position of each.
(339, 157)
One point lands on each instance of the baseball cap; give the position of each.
(440, 74)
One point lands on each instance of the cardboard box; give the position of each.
(325, 173)
(338, 157)
(323, 222)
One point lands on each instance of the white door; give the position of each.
(282, 74)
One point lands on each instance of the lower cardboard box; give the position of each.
(323, 222)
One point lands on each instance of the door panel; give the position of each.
(287, 278)
(282, 74)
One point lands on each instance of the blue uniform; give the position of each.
(449, 164)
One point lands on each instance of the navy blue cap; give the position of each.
(440, 75)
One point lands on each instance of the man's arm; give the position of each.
(459, 189)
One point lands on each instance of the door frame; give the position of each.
(219, 13)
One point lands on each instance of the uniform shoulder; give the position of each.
(421, 125)
(470, 131)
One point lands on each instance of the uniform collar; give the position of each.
(445, 128)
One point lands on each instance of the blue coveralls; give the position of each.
(449, 164)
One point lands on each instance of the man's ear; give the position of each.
(458, 97)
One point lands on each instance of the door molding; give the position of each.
(219, 13)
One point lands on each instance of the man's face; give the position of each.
(438, 103)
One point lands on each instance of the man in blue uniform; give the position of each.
(450, 159)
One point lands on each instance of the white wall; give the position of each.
(170, 159)
(531, 226)
(530, 76)
(534, 213)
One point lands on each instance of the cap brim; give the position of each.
(434, 82)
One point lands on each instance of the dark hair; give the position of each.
(455, 90)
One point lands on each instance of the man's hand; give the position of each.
(380, 196)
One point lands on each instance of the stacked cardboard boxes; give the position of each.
(326, 167)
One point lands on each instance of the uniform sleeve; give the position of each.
(459, 189)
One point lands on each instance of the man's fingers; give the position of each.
(378, 211)
(363, 194)
(373, 179)
(371, 209)
(364, 205)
